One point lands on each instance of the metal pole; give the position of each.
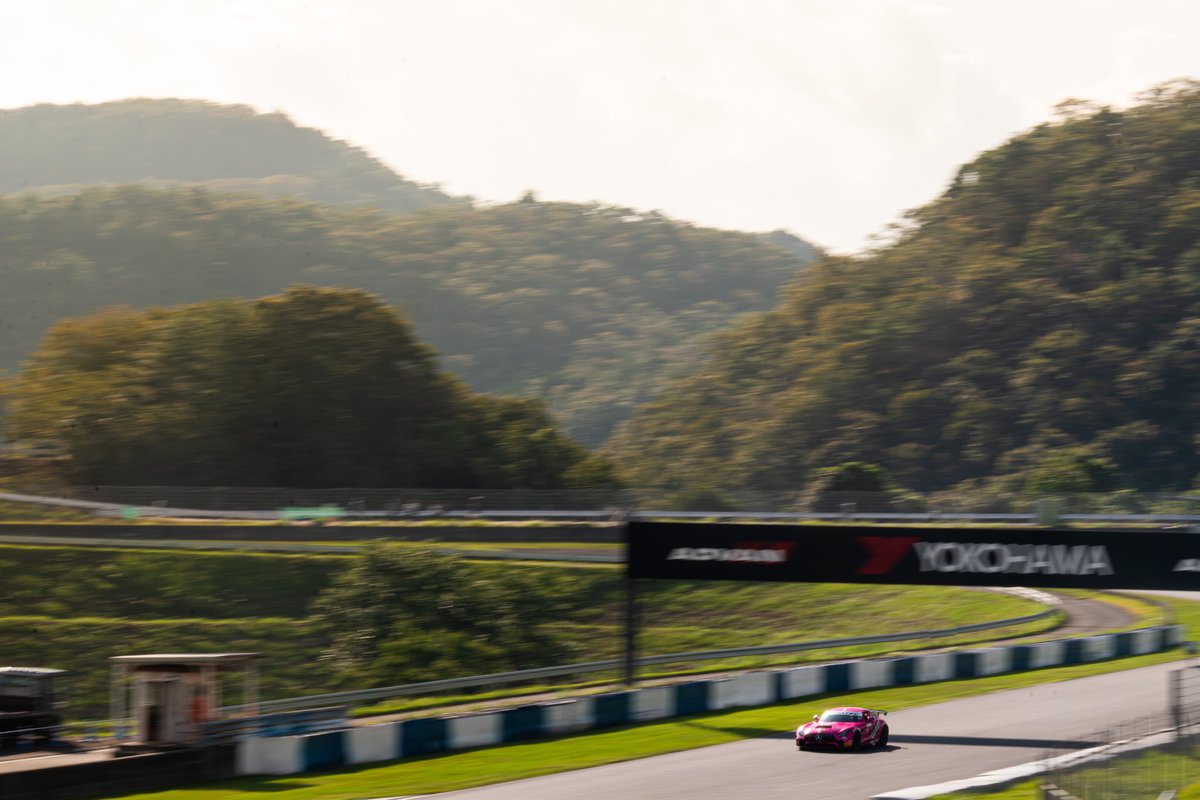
(630, 632)
(630, 611)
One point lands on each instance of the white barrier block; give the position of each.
(993, 661)
(1099, 648)
(373, 743)
(1047, 654)
(933, 667)
(750, 689)
(585, 714)
(270, 755)
(653, 702)
(476, 730)
(870, 674)
(804, 681)
(1173, 635)
(1144, 641)
(563, 716)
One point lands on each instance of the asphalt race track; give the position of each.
(932, 744)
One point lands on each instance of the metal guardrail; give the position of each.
(475, 681)
(161, 509)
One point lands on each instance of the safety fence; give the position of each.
(283, 755)
(1156, 756)
(542, 673)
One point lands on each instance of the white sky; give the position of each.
(823, 117)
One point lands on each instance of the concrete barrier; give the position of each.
(750, 689)
(1099, 648)
(933, 667)
(653, 702)
(870, 674)
(285, 755)
(1047, 654)
(802, 682)
(373, 743)
(270, 755)
(566, 716)
(993, 661)
(476, 730)
(1145, 641)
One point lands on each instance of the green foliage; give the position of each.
(588, 308)
(1036, 325)
(313, 387)
(399, 615)
(156, 584)
(868, 487)
(699, 499)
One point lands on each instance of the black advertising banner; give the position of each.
(1085, 559)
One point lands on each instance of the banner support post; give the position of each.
(630, 613)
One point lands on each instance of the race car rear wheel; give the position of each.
(883, 737)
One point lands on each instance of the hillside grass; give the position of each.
(73, 608)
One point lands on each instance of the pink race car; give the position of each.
(846, 728)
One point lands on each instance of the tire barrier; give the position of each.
(286, 755)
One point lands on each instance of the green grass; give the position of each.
(170, 601)
(1145, 775)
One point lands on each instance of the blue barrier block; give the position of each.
(324, 750)
(1124, 644)
(903, 671)
(837, 677)
(691, 698)
(524, 722)
(1074, 652)
(1020, 657)
(965, 665)
(610, 709)
(422, 736)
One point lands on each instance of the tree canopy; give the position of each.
(585, 307)
(1037, 324)
(401, 614)
(315, 387)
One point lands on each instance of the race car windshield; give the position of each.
(842, 716)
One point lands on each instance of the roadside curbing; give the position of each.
(286, 755)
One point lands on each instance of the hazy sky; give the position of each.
(827, 119)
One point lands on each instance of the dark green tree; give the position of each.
(313, 387)
(400, 614)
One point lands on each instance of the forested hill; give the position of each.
(587, 307)
(55, 149)
(1036, 327)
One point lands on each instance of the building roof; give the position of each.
(187, 658)
(31, 671)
